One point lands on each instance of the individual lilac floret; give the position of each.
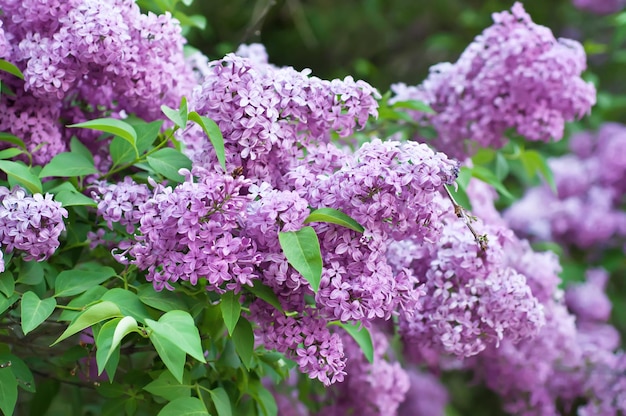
(600, 6)
(119, 203)
(370, 389)
(515, 75)
(266, 114)
(32, 224)
(191, 232)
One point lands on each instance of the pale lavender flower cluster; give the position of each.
(266, 114)
(370, 389)
(119, 202)
(515, 75)
(106, 56)
(473, 298)
(600, 6)
(590, 184)
(31, 224)
(191, 232)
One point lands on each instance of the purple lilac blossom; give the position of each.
(426, 396)
(370, 389)
(515, 75)
(191, 232)
(600, 6)
(266, 114)
(472, 298)
(586, 211)
(31, 224)
(105, 56)
(119, 202)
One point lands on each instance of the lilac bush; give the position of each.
(227, 236)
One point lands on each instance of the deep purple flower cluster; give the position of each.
(188, 233)
(590, 184)
(119, 203)
(266, 114)
(105, 56)
(515, 75)
(600, 6)
(31, 224)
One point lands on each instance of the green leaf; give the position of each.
(264, 292)
(362, 337)
(35, 311)
(147, 134)
(122, 152)
(74, 198)
(77, 147)
(20, 370)
(7, 283)
(10, 153)
(231, 310)
(502, 167)
(487, 176)
(114, 126)
(7, 302)
(68, 164)
(8, 391)
(414, 105)
(91, 295)
(243, 338)
(31, 273)
(7, 66)
(21, 174)
(168, 387)
(179, 328)
(264, 398)
(212, 130)
(9, 138)
(302, 249)
(334, 216)
(163, 301)
(124, 327)
(534, 162)
(195, 20)
(221, 401)
(107, 356)
(184, 406)
(94, 314)
(128, 302)
(73, 282)
(171, 355)
(167, 162)
(179, 117)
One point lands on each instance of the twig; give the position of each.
(460, 212)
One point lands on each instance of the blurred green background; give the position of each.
(388, 41)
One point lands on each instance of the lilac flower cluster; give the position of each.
(600, 6)
(473, 298)
(119, 203)
(426, 396)
(570, 357)
(106, 56)
(370, 389)
(305, 338)
(187, 233)
(266, 114)
(590, 184)
(515, 75)
(31, 224)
